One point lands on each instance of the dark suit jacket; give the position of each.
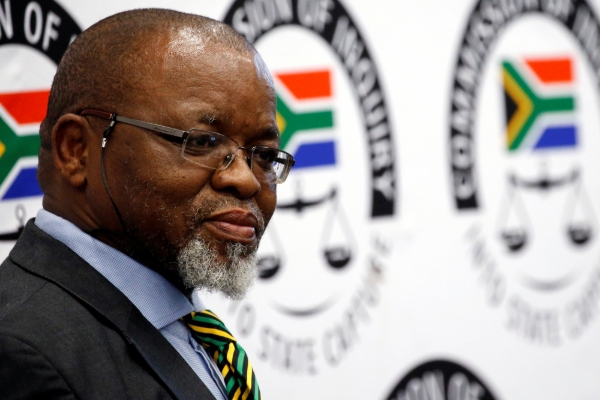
(66, 332)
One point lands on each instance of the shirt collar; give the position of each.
(157, 299)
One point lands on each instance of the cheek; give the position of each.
(267, 201)
(155, 173)
(159, 192)
(163, 211)
(167, 196)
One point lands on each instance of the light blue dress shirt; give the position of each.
(158, 300)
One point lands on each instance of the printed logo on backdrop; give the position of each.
(322, 259)
(524, 139)
(441, 380)
(33, 37)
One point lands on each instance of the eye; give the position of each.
(202, 142)
(266, 157)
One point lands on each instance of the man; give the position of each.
(159, 162)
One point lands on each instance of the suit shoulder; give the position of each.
(27, 374)
(28, 302)
(16, 287)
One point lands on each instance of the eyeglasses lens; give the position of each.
(213, 150)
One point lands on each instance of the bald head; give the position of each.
(111, 58)
(110, 61)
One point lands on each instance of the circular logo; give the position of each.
(524, 128)
(33, 37)
(323, 255)
(440, 379)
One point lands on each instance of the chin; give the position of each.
(203, 267)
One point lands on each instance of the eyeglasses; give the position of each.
(214, 150)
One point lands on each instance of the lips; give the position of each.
(235, 225)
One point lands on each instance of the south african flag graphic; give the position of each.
(20, 116)
(540, 105)
(305, 117)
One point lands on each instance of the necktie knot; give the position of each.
(208, 330)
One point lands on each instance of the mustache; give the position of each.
(210, 207)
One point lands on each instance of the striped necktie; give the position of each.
(211, 333)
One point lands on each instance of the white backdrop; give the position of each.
(439, 238)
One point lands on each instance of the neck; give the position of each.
(126, 243)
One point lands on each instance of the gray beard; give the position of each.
(199, 267)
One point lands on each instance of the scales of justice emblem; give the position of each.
(543, 131)
(308, 135)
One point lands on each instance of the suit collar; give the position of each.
(42, 255)
(159, 301)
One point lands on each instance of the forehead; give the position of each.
(224, 82)
(199, 58)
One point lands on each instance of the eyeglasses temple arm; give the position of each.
(140, 124)
(165, 130)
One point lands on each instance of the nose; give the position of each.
(230, 157)
(236, 176)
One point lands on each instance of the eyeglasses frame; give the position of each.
(165, 130)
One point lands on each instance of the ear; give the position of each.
(71, 138)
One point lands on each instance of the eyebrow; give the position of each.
(271, 133)
(214, 119)
(210, 119)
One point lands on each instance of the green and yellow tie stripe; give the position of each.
(230, 357)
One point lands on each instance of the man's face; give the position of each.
(179, 212)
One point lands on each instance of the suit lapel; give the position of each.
(42, 255)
